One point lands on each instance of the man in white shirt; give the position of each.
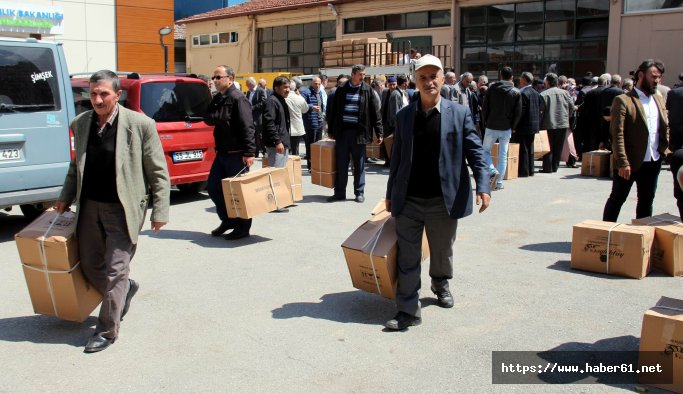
(640, 136)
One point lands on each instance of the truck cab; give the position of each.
(36, 108)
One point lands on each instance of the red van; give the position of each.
(177, 104)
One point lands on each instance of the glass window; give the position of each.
(265, 63)
(559, 68)
(650, 5)
(499, 14)
(503, 33)
(311, 30)
(559, 9)
(474, 54)
(473, 16)
(280, 48)
(280, 63)
(224, 38)
(474, 35)
(559, 51)
(214, 39)
(530, 12)
(266, 34)
(172, 102)
(28, 76)
(234, 36)
(312, 61)
(591, 50)
(295, 62)
(374, 23)
(328, 29)
(353, 25)
(265, 48)
(532, 67)
(417, 20)
(395, 21)
(204, 39)
(440, 18)
(295, 32)
(312, 45)
(581, 67)
(500, 54)
(195, 40)
(530, 32)
(592, 8)
(296, 46)
(279, 33)
(528, 52)
(560, 30)
(475, 68)
(592, 28)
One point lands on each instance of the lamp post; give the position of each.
(164, 31)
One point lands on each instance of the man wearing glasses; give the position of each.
(233, 133)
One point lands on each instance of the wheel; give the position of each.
(192, 188)
(32, 211)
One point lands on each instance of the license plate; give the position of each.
(9, 154)
(188, 155)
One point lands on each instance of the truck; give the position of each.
(36, 108)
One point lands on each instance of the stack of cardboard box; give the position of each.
(661, 343)
(368, 51)
(596, 163)
(323, 163)
(667, 250)
(257, 192)
(49, 255)
(541, 144)
(512, 168)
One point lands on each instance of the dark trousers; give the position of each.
(294, 141)
(551, 161)
(226, 166)
(423, 215)
(312, 136)
(105, 251)
(526, 153)
(258, 135)
(346, 144)
(646, 183)
(676, 163)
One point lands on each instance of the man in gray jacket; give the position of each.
(501, 111)
(559, 107)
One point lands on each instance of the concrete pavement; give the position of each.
(277, 311)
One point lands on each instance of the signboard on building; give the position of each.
(31, 18)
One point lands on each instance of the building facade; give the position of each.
(97, 34)
(569, 37)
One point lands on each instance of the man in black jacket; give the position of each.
(230, 113)
(276, 124)
(257, 98)
(606, 98)
(353, 116)
(591, 113)
(501, 112)
(529, 124)
(674, 103)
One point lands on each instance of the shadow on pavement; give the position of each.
(178, 197)
(576, 176)
(556, 247)
(46, 329)
(565, 265)
(10, 225)
(348, 307)
(205, 239)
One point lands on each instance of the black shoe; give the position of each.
(132, 289)
(225, 226)
(237, 234)
(445, 297)
(281, 210)
(97, 343)
(402, 321)
(360, 198)
(335, 198)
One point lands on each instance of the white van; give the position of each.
(36, 108)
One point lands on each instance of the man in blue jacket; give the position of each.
(430, 191)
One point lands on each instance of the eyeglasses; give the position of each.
(216, 77)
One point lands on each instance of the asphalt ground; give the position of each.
(277, 312)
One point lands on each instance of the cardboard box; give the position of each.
(372, 151)
(596, 163)
(371, 253)
(324, 179)
(667, 250)
(512, 169)
(323, 163)
(541, 145)
(257, 192)
(662, 332)
(49, 255)
(295, 176)
(388, 144)
(628, 253)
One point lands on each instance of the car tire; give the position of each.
(32, 211)
(192, 188)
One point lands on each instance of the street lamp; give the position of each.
(164, 31)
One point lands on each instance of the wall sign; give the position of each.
(31, 18)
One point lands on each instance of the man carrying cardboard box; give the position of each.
(118, 160)
(430, 192)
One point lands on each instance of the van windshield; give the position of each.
(28, 79)
(173, 101)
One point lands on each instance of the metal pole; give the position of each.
(165, 59)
